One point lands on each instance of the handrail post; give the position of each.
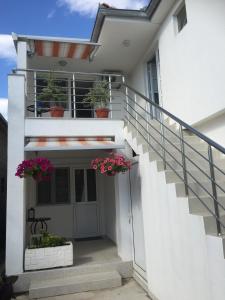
(214, 191)
(74, 97)
(110, 96)
(35, 94)
(126, 94)
(136, 115)
(162, 139)
(183, 159)
(148, 121)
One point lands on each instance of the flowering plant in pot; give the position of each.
(98, 97)
(112, 165)
(40, 169)
(54, 96)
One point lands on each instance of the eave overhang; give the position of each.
(104, 12)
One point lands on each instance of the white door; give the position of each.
(137, 221)
(86, 208)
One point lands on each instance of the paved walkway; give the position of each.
(129, 291)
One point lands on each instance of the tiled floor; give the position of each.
(129, 291)
(94, 252)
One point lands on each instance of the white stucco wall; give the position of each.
(182, 262)
(123, 216)
(16, 209)
(109, 207)
(192, 65)
(214, 128)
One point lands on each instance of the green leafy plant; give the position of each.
(47, 240)
(98, 96)
(53, 93)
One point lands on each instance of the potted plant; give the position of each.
(112, 165)
(6, 286)
(48, 251)
(55, 96)
(39, 168)
(98, 97)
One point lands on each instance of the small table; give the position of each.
(34, 223)
(40, 110)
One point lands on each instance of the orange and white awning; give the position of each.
(63, 50)
(58, 47)
(71, 143)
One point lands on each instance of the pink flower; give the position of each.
(109, 168)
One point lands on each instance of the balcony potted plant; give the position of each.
(54, 96)
(98, 97)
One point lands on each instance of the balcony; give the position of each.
(68, 91)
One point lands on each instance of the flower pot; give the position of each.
(102, 112)
(57, 111)
(49, 257)
(6, 291)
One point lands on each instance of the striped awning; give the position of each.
(79, 50)
(71, 143)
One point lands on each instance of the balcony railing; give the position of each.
(47, 90)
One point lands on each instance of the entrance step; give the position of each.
(74, 284)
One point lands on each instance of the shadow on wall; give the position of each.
(2, 215)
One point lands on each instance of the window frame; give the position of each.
(52, 191)
(179, 26)
(85, 186)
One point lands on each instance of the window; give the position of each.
(182, 18)
(85, 185)
(57, 190)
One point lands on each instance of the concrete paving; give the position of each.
(130, 290)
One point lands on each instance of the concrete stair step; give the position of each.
(211, 227)
(196, 188)
(153, 155)
(202, 163)
(193, 175)
(74, 284)
(197, 207)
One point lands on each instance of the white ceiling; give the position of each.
(112, 55)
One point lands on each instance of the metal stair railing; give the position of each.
(139, 110)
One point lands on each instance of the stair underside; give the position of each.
(175, 177)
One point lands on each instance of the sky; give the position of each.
(62, 18)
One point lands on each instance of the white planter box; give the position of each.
(51, 257)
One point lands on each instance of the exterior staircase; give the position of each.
(170, 160)
(75, 279)
(40, 288)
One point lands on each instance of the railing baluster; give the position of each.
(136, 116)
(148, 120)
(214, 191)
(183, 159)
(162, 130)
(74, 97)
(110, 96)
(35, 94)
(127, 98)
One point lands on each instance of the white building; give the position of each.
(165, 218)
(3, 177)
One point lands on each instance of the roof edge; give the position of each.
(124, 13)
(3, 120)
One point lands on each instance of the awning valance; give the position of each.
(73, 50)
(71, 143)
